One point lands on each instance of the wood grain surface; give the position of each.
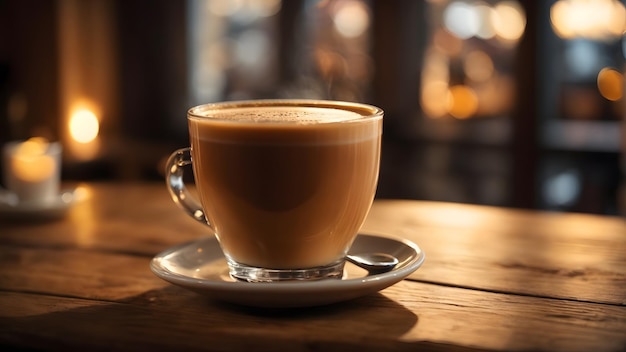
(494, 280)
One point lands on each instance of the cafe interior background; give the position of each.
(506, 103)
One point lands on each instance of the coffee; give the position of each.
(285, 187)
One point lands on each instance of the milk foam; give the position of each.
(283, 114)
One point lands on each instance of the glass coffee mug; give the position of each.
(284, 185)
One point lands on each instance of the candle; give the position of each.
(32, 170)
(30, 163)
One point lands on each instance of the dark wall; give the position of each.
(28, 69)
(153, 64)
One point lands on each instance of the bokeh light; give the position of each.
(462, 19)
(447, 43)
(84, 126)
(478, 66)
(486, 28)
(583, 59)
(509, 20)
(351, 19)
(598, 19)
(463, 74)
(31, 162)
(434, 98)
(611, 84)
(252, 48)
(562, 189)
(244, 11)
(465, 20)
(462, 102)
(435, 79)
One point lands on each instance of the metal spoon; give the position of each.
(374, 263)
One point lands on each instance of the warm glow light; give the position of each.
(578, 104)
(451, 215)
(435, 79)
(329, 62)
(496, 95)
(225, 8)
(244, 8)
(509, 20)
(82, 217)
(351, 19)
(266, 8)
(465, 20)
(448, 43)
(84, 126)
(30, 162)
(611, 84)
(32, 147)
(462, 102)
(478, 66)
(598, 19)
(434, 95)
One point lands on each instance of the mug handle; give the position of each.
(174, 171)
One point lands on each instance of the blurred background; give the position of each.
(507, 103)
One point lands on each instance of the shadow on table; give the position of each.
(174, 318)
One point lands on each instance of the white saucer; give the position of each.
(55, 208)
(200, 266)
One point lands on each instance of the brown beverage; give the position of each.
(285, 187)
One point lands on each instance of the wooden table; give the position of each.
(494, 280)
